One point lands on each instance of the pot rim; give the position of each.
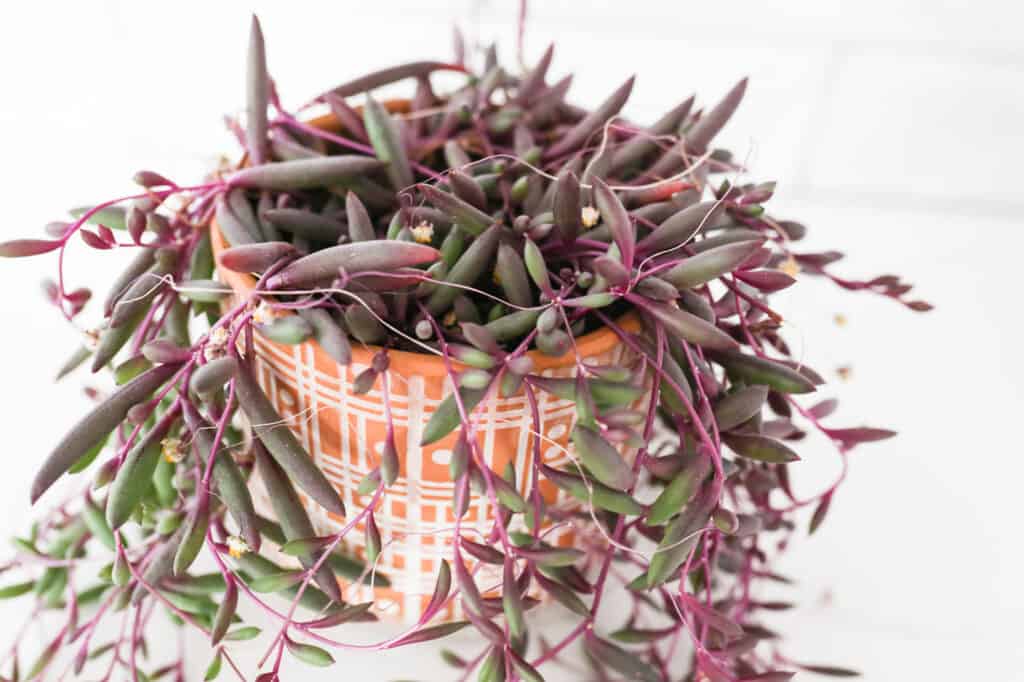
(591, 344)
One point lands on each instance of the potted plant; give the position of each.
(442, 360)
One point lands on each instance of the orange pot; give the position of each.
(345, 432)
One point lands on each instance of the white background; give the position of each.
(893, 127)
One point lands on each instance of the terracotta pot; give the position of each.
(344, 434)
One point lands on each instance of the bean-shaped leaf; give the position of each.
(601, 459)
(510, 272)
(328, 334)
(256, 566)
(111, 216)
(689, 327)
(97, 424)
(757, 370)
(679, 492)
(289, 330)
(304, 223)
(132, 480)
(235, 228)
(137, 297)
(568, 206)
(211, 377)
(465, 215)
(308, 653)
(739, 406)
(430, 633)
(387, 143)
(473, 262)
(708, 125)
(629, 664)
(195, 535)
(142, 262)
(392, 74)
(760, 448)
(679, 228)
(257, 87)
(563, 595)
(617, 219)
(323, 265)
(295, 522)
(467, 189)
(597, 494)
(231, 485)
(551, 556)
(645, 142)
(592, 122)
(705, 266)
(446, 417)
(256, 257)
(321, 171)
(21, 248)
(360, 227)
(225, 613)
(680, 537)
(512, 602)
(514, 325)
(282, 444)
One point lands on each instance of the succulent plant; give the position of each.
(475, 225)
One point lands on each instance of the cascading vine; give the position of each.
(483, 225)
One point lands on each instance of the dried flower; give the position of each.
(172, 450)
(790, 266)
(423, 232)
(263, 313)
(237, 546)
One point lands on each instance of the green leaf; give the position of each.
(308, 653)
(446, 417)
(601, 459)
(631, 665)
(17, 589)
(89, 457)
(760, 448)
(242, 634)
(387, 144)
(97, 524)
(111, 216)
(598, 495)
(751, 369)
(214, 668)
(275, 582)
(679, 491)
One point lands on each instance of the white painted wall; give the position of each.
(894, 129)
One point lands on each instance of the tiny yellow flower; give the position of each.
(172, 450)
(423, 233)
(790, 267)
(590, 216)
(237, 546)
(449, 319)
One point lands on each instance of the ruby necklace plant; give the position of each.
(491, 227)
